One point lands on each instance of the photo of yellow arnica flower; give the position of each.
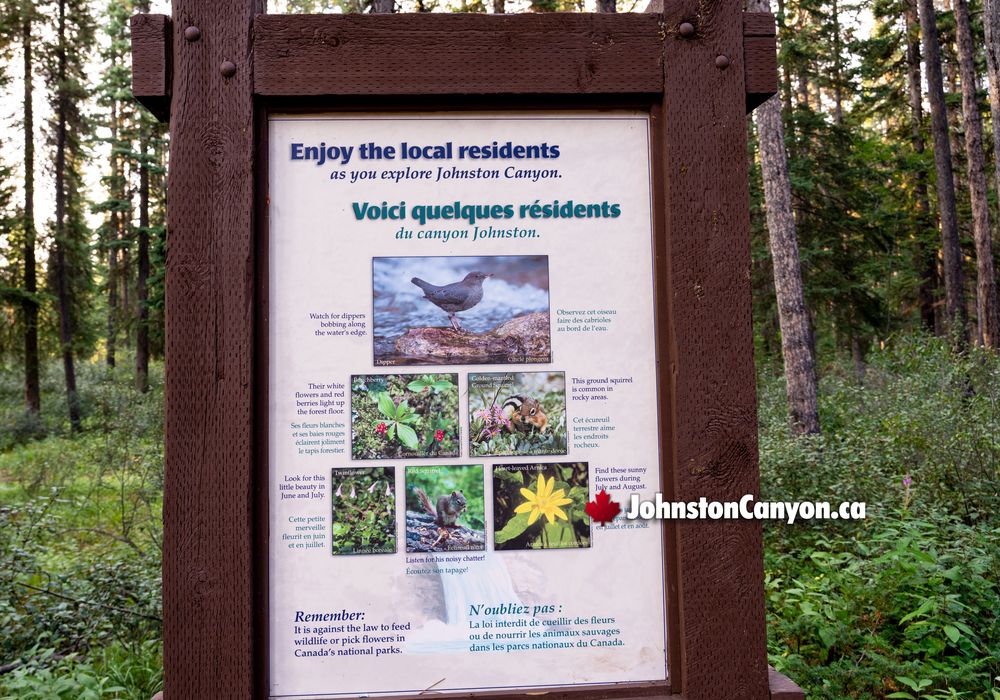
(544, 501)
(540, 506)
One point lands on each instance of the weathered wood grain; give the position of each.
(760, 57)
(468, 54)
(758, 24)
(208, 549)
(707, 383)
(782, 688)
(150, 36)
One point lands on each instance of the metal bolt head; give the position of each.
(228, 69)
(722, 62)
(686, 30)
(192, 34)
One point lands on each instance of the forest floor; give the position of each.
(905, 604)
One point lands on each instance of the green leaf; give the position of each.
(515, 527)
(442, 385)
(386, 406)
(416, 386)
(559, 534)
(953, 634)
(402, 410)
(408, 436)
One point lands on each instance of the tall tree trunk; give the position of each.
(499, 7)
(838, 77)
(800, 363)
(383, 6)
(954, 283)
(991, 23)
(113, 227)
(62, 283)
(987, 318)
(29, 304)
(607, 6)
(786, 83)
(142, 292)
(926, 255)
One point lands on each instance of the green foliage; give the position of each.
(364, 511)
(904, 604)
(80, 546)
(400, 415)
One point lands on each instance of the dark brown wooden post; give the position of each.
(208, 554)
(712, 397)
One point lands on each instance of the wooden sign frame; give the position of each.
(218, 68)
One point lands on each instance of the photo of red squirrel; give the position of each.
(452, 518)
(448, 507)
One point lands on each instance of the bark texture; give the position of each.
(926, 254)
(29, 303)
(987, 319)
(142, 274)
(954, 283)
(796, 346)
(62, 274)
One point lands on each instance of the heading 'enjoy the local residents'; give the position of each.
(322, 152)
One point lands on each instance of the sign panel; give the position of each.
(461, 344)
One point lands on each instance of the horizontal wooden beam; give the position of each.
(351, 55)
(402, 54)
(760, 57)
(151, 63)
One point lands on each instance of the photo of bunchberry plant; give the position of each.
(395, 416)
(363, 510)
(517, 413)
(541, 506)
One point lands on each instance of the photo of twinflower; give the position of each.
(363, 510)
(541, 506)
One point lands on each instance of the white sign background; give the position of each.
(320, 259)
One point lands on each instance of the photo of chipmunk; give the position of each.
(525, 414)
(517, 413)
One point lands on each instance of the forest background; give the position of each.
(873, 186)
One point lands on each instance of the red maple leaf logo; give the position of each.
(602, 509)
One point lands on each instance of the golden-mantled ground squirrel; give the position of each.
(525, 414)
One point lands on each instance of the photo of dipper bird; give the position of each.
(457, 296)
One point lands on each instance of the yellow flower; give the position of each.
(542, 501)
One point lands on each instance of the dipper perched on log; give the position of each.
(457, 296)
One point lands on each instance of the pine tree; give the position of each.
(954, 279)
(987, 316)
(114, 95)
(800, 367)
(69, 261)
(29, 291)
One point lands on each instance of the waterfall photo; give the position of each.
(541, 506)
(445, 508)
(517, 413)
(363, 510)
(460, 310)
